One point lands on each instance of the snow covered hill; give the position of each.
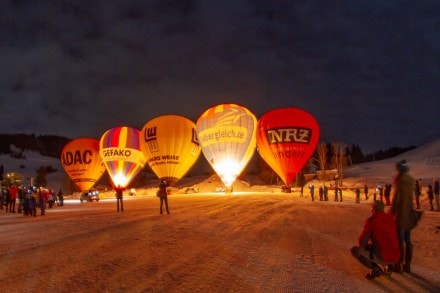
(27, 167)
(424, 163)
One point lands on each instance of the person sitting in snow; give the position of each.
(378, 243)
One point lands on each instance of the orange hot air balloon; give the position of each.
(286, 139)
(227, 136)
(81, 161)
(170, 146)
(120, 151)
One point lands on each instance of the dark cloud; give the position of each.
(367, 70)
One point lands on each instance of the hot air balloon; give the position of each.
(286, 139)
(170, 146)
(227, 136)
(120, 151)
(81, 161)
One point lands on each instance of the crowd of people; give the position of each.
(382, 192)
(27, 200)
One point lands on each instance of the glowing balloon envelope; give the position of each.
(81, 161)
(227, 136)
(120, 151)
(170, 146)
(286, 139)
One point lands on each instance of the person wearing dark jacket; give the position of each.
(378, 244)
(430, 193)
(401, 206)
(119, 199)
(436, 194)
(163, 195)
(21, 197)
(417, 193)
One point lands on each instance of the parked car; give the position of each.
(132, 192)
(89, 195)
(189, 190)
(286, 189)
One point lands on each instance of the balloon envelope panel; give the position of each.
(227, 136)
(81, 161)
(170, 146)
(286, 139)
(121, 154)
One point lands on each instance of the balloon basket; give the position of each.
(228, 190)
(286, 189)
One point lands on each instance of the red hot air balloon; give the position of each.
(81, 161)
(120, 151)
(286, 139)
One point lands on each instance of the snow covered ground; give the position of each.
(253, 240)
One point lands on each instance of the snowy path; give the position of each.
(215, 243)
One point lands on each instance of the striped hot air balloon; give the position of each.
(121, 153)
(227, 135)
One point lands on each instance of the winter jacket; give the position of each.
(162, 192)
(380, 231)
(436, 187)
(402, 202)
(13, 193)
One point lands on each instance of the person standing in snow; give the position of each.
(5, 198)
(401, 206)
(366, 191)
(387, 194)
(312, 192)
(378, 244)
(21, 197)
(358, 194)
(436, 194)
(42, 199)
(119, 199)
(60, 197)
(162, 193)
(430, 193)
(30, 205)
(13, 191)
(417, 193)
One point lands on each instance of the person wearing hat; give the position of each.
(378, 244)
(401, 206)
(162, 193)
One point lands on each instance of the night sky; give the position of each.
(367, 70)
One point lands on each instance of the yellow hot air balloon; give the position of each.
(81, 161)
(170, 146)
(227, 135)
(120, 151)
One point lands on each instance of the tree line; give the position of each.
(46, 145)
